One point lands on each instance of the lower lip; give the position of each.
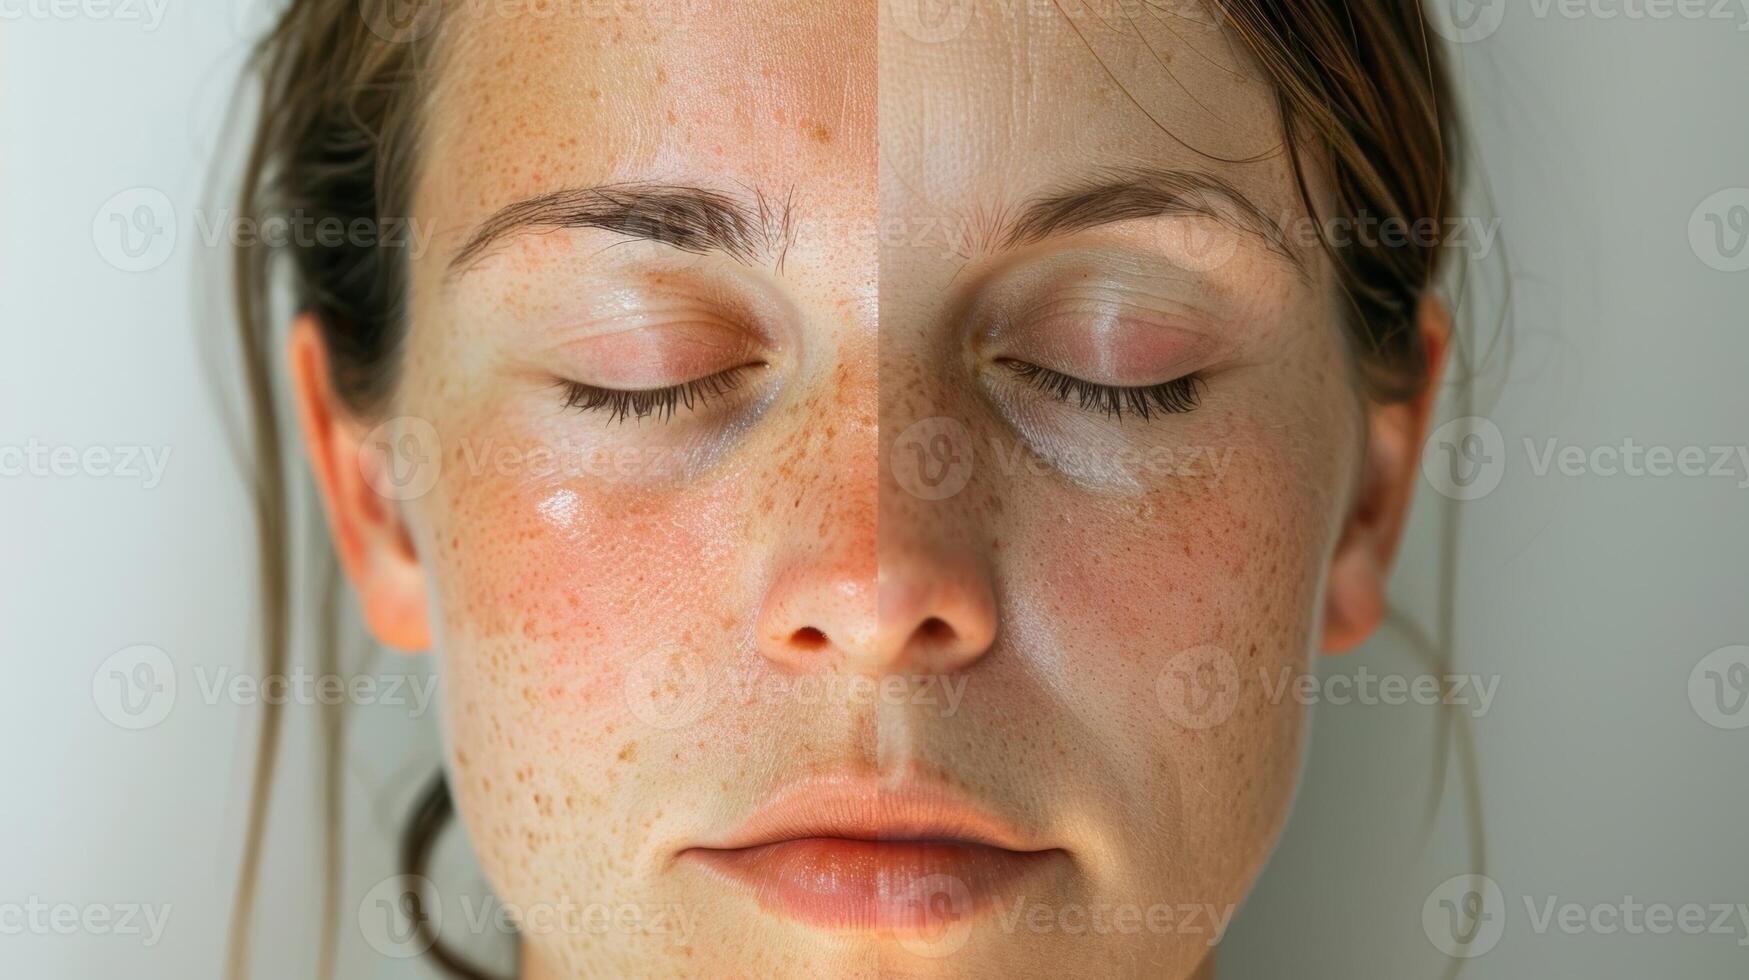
(889, 886)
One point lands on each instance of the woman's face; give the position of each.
(883, 639)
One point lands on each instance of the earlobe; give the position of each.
(1354, 596)
(367, 529)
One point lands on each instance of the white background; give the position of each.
(1588, 600)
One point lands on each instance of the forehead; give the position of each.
(1015, 97)
(768, 95)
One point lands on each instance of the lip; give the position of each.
(851, 854)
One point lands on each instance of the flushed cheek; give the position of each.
(574, 578)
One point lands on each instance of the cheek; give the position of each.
(1186, 611)
(1225, 545)
(552, 590)
(1220, 538)
(555, 577)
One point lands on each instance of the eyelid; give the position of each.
(654, 357)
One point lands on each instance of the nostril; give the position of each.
(936, 631)
(808, 638)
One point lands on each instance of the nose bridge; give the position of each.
(883, 568)
(937, 602)
(821, 599)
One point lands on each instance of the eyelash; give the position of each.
(638, 404)
(1173, 397)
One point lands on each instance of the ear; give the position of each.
(1354, 597)
(374, 548)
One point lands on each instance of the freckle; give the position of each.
(629, 753)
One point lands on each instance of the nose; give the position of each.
(922, 612)
(937, 613)
(815, 612)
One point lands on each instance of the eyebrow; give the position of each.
(692, 219)
(1124, 195)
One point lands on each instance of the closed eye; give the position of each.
(639, 403)
(1173, 397)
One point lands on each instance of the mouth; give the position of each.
(852, 855)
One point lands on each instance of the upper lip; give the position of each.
(855, 808)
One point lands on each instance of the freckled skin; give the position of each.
(561, 597)
(1101, 582)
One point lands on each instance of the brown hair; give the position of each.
(336, 139)
(1363, 96)
(1363, 88)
